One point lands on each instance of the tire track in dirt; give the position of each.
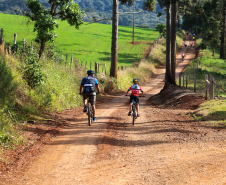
(162, 148)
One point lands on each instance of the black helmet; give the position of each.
(89, 72)
(136, 80)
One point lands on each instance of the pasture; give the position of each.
(91, 43)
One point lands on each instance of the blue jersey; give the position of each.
(89, 83)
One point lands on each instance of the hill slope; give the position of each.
(92, 42)
(96, 8)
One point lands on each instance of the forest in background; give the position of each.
(98, 9)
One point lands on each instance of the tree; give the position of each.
(148, 5)
(161, 28)
(114, 40)
(223, 31)
(168, 46)
(173, 41)
(45, 19)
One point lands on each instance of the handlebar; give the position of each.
(130, 95)
(96, 93)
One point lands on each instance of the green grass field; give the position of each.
(91, 43)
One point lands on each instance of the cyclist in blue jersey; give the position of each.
(87, 89)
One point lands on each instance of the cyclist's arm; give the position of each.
(98, 89)
(81, 87)
(127, 92)
(97, 86)
(142, 91)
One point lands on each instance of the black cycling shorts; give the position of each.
(134, 99)
(92, 98)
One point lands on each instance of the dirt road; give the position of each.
(164, 147)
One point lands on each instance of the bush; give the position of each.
(7, 85)
(32, 72)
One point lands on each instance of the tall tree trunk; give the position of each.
(168, 45)
(114, 40)
(173, 42)
(222, 48)
(42, 47)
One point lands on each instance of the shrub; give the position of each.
(32, 72)
(7, 85)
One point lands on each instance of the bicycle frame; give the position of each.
(134, 110)
(90, 113)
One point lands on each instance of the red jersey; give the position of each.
(135, 90)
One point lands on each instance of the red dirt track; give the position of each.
(166, 146)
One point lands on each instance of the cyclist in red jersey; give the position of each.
(134, 95)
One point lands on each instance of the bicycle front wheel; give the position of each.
(134, 113)
(90, 116)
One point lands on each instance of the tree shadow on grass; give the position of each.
(215, 116)
(124, 58)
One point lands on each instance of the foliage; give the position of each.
(161, 28)
(32, 71)
(206, 19)
(210, 65)
(45, 20)
(7, 84)
(103, 9)
(92, 43)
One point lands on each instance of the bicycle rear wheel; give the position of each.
(90, 114)
(134, 113)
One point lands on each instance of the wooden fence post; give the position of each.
(206, 86)
(98, 67)
(24, 42)
(15, 37)
(1, 39)
(183, 79)
(6, 52)
(105, 68)
(71, 61)
(195, 82)
(78, 63)
(85, 65)
(186, 80)
(95, 68)
(81, 63)
(122, 68)
(10, 52)
(179, 79)
(66, 60)
(211, 90)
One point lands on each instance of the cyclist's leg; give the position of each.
(137, 105)
(131, 103)
(92, 99)
(85, 102)
(130, 107)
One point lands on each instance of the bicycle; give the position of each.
(89, 112)
(134, 110)
(182, 58)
